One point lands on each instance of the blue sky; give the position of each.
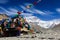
(45, 10)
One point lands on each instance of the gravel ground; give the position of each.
(37, 36)
(44, 34)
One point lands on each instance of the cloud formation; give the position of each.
(39, 12)
(3, 1)
(13, 10)
(33, 11)
(58, 10)
(24, 8)
(8, 12)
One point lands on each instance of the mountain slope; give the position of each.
(41, 23)
(3, 16)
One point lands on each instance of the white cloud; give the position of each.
(58, 10)
(7, 12)
(24, 8)
(4, 9)
(33, 11)
(48, 12)
(26, 14)
(39, 12)
(3, 1)
(44, 12)
(13, 10)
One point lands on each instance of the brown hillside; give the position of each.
(3, 16)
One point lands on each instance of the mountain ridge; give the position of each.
(41, 23)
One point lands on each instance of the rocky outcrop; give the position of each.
(3, 16)
(56, 28)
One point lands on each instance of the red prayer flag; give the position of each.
(19, 12)
(35, 3)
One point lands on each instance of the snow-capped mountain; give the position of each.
(41, 23)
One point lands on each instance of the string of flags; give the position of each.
(36, 2)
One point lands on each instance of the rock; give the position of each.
(58, 39)
(32, 37)
(27, 37)
(50, 38)
(43, 38)
(35, 36)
